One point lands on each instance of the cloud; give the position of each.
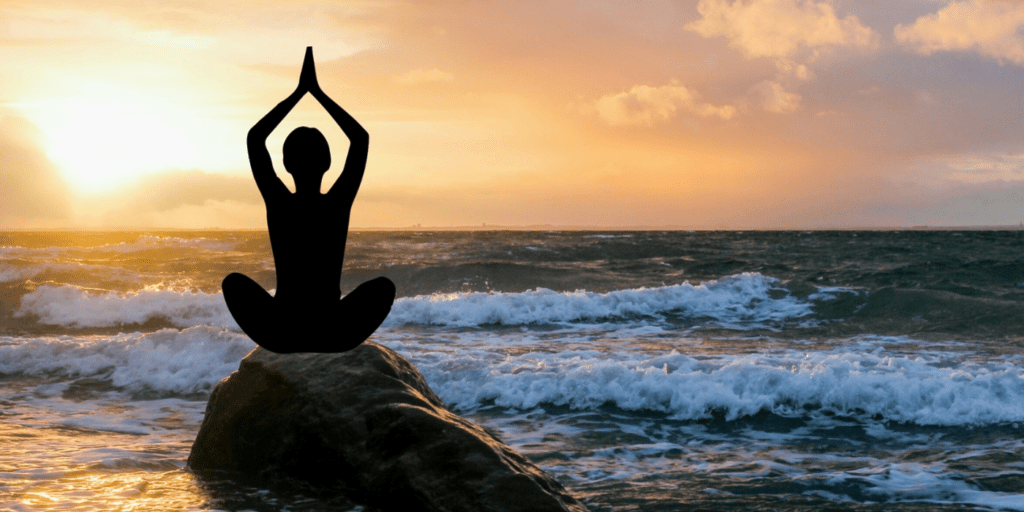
(421, 76)
(789, 68)
(30, 183)
(210, 214)
(779, 28)
(773, 98)
(237, 31)
(170, 189)
(990, 28)
(982, 168)
(502, 124)
(646, 105)
(181, 198)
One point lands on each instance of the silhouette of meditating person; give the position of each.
(307, 236)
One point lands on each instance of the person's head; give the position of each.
(306, 154)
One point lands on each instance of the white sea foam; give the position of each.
(70, 306)
(190, 360)
(925, 392)
(738, 301)
(10, 273)
(735, 302)
(927, 483)
(914, 390)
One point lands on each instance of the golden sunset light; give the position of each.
(696, 114)
(566, 255)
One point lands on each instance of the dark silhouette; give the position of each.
(307, 235)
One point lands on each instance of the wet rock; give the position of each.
(366, 424)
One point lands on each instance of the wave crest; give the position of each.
(742, 301)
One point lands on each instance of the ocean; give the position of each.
(645, 370)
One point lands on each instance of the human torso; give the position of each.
(307, 237)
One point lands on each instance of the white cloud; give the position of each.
(992, 28)
(987, 168)
(790, 32)
(646, 105)
(779, 28)
(790, 68)
(775, 99)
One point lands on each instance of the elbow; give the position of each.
(360, 137)
(254, 137)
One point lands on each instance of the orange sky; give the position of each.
(701, 114)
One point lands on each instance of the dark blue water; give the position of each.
(846, 370)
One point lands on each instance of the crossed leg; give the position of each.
(285, 328)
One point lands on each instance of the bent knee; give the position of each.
(382, 287)
(375, 291)
(238, 285)
(234, 280)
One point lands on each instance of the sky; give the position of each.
(709, 114)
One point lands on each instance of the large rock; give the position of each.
(366, 423)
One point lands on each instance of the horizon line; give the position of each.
(567, 227)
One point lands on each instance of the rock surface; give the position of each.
(366, 423)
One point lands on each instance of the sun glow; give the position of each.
(106, 138)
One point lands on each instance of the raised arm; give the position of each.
(259, 158)
(347, 186)
(344, 190)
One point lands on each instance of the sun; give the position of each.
(107, 137)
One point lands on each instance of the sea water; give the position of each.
(843, 370)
